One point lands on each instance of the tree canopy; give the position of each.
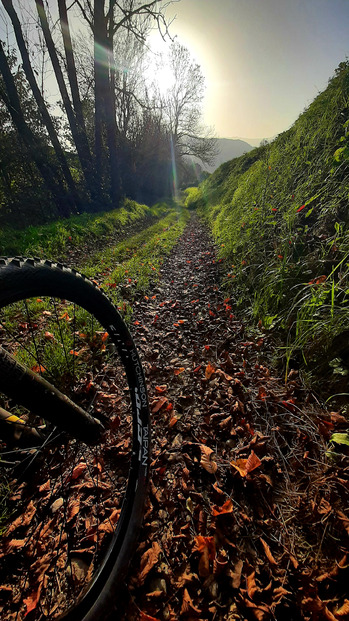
(115, 134)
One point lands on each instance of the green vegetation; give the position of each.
(129, 267)
(280, 216)
(52, 240)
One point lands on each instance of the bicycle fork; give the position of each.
(36, 394)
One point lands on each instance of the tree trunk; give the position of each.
(101, 80)
(74, 87)
(110, 114)
(80, 144)
(34, 148)
(41, 103)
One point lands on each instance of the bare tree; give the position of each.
(79, 136)
(34, 149)
(40, 100)
(182, 105)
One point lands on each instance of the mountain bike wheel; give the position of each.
(71, 512)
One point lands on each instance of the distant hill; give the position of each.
(228, 149)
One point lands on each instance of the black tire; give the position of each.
(23, 279)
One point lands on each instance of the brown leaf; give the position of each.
(343, 518)
(14, 544)
(45, 487)
(78, 470)
(324, 507)
(73, 509)
(188, 606)
(343, 611)
(22, 520)
(148, 560)
(204, 564)
(158, 404)
(338, 419)
(268, 553)
(236, 574)
(261, 612)
(206, 460)
(251, 584)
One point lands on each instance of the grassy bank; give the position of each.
(128, 268)
(280, 216)
(54, 239)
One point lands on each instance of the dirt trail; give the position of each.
(243, 520)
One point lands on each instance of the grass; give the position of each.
(129, 267)
(280, 217)
(54, 239)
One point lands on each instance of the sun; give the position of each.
(158, 72)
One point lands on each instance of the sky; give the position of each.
(264, 61)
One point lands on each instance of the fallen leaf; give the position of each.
(251, 584)
(206, 460)
(343, 611)
(147, 562)
(158, 404)
(245, 466)
(236, 574)
(210, 369)
(78, 470)
(49, 336)
(205, 542)
(38, 368)
(31, 602)
(268, 553)
(73, 509)
(226, 508)
(179, 371)
(188, 606)
(343, 518)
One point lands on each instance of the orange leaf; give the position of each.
(38, 368)
(179, 371)
(245, 466)
(206, 460)
(210, 369)
(31, 602)
(74, 353)
(226, 508)
(78, 470)
(161, 389)
(49, 336)
(144, 617)
(205, 542)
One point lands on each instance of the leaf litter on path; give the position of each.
(246, 517)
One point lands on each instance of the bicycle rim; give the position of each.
(70, 510)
